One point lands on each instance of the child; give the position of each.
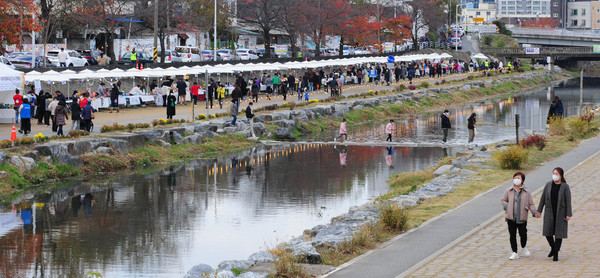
(306, 96)
(343, 131)
(389, 128)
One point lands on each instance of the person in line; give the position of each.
(52, 108)
(255, 88)
(18, 100)
(220, 95)
(61, 115)
(25, 113)
(114, 98)
(194, 90)
(47, 113)
(389, 129)
(250, 117)
(517, 202)
(556, 199)
(445, 125)
(171, 100)
(343, 131)
(471, 122)
(165, 88)
(87, 114)
(41, 108)
(75, 114)
(181, 91)
(233, 111)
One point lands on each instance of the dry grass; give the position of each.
(286, 264)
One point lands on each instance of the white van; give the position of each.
(189, 53)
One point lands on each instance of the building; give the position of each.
(516, 10)
(579, 15)
(595, 17)
(558, 11)
(478, 11)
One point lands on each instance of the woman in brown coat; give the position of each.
(61, 115)
(557, 200)
(517, 202)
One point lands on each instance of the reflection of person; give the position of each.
(471, 121)
(556, 198)
(343, 131)
(517, 201)
(343, 154)
(388, 157)
(88, 204)
(445, 125)
(389, 128)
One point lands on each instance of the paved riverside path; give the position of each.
(147, 114)
(485, 253)
(409, 250)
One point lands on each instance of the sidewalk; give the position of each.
(404, 254)
(150, 113)
(485, 253)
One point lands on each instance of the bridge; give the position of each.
(572, 53)
(545, 37)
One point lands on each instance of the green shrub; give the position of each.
(557, 126)
(402, 87)
(577, 127)
(424, 84)
(393, 217)
(512, 157)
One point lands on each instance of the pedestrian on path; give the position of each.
(233, 111)
(18, 100)
(556, 198)
(181, 90)
(343, 131)
(471, 121)
(52, 108)
(220, 94)
(62, 116)
(250, 117)
(114, 98)
(445, 125)
(87, 115)
(517, 202)
(75, 114)
(389, 129)
(25, 113)
(194, 90)
(171, 100)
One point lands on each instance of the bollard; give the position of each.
(517, 126)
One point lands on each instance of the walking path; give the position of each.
(438, 238)
(485, 253)
(150, 113)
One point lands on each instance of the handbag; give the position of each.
(93, 116)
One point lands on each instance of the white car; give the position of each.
(189, 54)
(246, 54)
(5, 61)
(225, 55)
(73, 58)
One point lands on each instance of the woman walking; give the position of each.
(75, 114)
(343, 131)
(171, 100)
(114, 98)
(471, 121)
(557, 200)
(389, 129)
(61, 115)
(517, 202)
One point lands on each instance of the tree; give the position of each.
(289, 21)
(425, 15)
(398, 28)
(16, 18)
(323, 17)
(265, 14)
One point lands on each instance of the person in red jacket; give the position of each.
(18, 98)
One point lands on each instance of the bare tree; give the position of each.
(425, 15)
(265, 14)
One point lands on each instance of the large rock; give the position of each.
(262, 118)
(135, 141)
(262, 257)
(199, 271)
(442, 170)
(221, 274)
(283, 115)
(153, 135)
(285, 123)
(193, 139)
(284, 134)
(304, 251)
(230, 130)
(105, 150)
(209, 134)
(3, 157)
(16, 161)
(69, 160)
(333, 235)
(406, 201)
(237, 264)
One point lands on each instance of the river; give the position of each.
(163, 222)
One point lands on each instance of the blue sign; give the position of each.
(391, 59)
(372, 73)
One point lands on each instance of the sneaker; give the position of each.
(526, 252)
(514, 256)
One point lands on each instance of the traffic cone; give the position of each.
(141, 66)
(13, 134)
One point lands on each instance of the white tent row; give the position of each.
(54, 76)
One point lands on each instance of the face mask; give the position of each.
(555, 177)
(517, 182)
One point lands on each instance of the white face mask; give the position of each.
(555, 177)
(517, 182)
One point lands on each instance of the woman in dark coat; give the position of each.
(61, 115)
(75, 114)
(40, 103)
(171, 100)
(114, 98)
(471, 122)
(557, 200)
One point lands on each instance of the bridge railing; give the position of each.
(555, 32)
(543, 51)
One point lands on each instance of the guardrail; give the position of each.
(544, 51)
(556, 32)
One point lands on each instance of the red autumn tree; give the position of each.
(321, 18)
(362, 30)
(398, 28)
(541, 23)
(16, 18)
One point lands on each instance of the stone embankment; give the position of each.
(68, 152)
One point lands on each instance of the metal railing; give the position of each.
(542, 50)
(594, 34)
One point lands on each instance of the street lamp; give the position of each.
(215, 35)
(456, 15)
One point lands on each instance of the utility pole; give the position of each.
(215, 40)
(168, 26)
(155, 30)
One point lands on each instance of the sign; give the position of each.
(281, 49)
(391, 59)
(388, 47)
(478, 19)
(532, 50)
(596, 48)
(372, 73)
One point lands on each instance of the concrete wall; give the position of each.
(595, 14)
(579, 13)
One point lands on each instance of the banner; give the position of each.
(596, 48)
(281, 49)
(532, 51)
(388, 47)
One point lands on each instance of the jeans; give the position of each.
(63, 65)
(16, 114)
(195, 98)
(445, 134)
(310, 86)
(59, 130)
(512, 230)
(342, 134)
(26, 125)
(234, 119)
(75, 124)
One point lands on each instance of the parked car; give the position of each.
(73, 58)
(456, 43)
(189, 53)
(348, 50)
(89, 55)
(16, 54)
(207, 55)
(143, 57)
(171, 56)
(246, 54)
(5, 61)
(225, 55)
(24, 62)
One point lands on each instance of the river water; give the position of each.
(161, 223)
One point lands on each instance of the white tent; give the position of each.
(480, 56)
(10, 80)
